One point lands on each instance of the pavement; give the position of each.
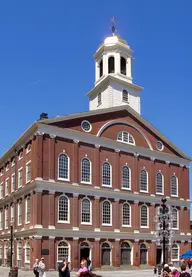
(4, 272)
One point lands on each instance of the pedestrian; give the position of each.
(88, 264)
(63, 268)
(175, 272)
(184, 273)
(83, 267)
(36, 268)
(166, 271)
(189, 263)
(42, 267)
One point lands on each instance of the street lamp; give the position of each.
(11, 261)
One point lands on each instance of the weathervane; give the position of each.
(113, 26)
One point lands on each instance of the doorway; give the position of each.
(106, 254)
(143, 254)
(125, 253)
(158, 256)
(84, 251)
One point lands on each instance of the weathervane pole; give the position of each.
(113, 26)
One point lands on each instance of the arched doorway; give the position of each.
(125, 253)
(106, 254)
(85, 251)
(158, 255)
(143, 254)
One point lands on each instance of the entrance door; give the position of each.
(125, 253)
(106, 253)
(158, 255)
(143, 254)
(84, 251)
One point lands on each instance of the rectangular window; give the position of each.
(6, 218)
(1, 219)
(13, 182)
(13, 162)
(28, 172)
(12, 213)
(1, 190)
(7, 186)
(27, 210)
(19, 213)
(20, 177)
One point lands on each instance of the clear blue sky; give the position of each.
(46, 60)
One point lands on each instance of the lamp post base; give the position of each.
(13, 272)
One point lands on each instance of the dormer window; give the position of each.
(7, 167)
(125, 96)
(125, 137)
(99, 99)
(123, 66)
(20, 155)
(28, 148)
(13, 162)
(111, 65)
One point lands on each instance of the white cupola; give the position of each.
(113, 76)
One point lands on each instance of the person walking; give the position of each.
(36, 268)
(63, 268)
(83, 267)
(42, 267)
(184, 273)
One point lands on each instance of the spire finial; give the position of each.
(113, 25)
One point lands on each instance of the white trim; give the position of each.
(20, 155)
(6, 187)
(25, 247)
(26, 171)
(19, 204)
(87, 223)
(68, 215)
(19, 243)
(109, 123)
(13, 189)
(175, 260)
(129, 225)
(1, 190)
(124, 188)
(84, 182)
(86, 121)
(147, 216)
(160, 193)
(176, 228)
(145, 191)
(173, 195)
(6, 218)
(27, 149)
(107, 224)
(126, 142)
(26, 202)
(13, 162)
(19, 170)
(68, 170)
(69, 250)
(103, 185)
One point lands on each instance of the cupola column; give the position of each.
(97, 70)
(105, 64)
(128, 68)
(117, 62)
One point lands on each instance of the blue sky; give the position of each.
(46, 60)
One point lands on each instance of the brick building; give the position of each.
(88, 184)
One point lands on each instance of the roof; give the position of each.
(116, 109)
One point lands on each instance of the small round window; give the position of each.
(159, 145)
(86, 126)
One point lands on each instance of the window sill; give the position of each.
(174, 196)
(27, 262)
(19, 224)
(176, 229)
(126, 188)
(28, 181)
(63, 179)
(144, 227)
(86, 223)
(65, 222)
(27, 222)
(127, 102)
(126, 226)
(107, 186)
(27, 152)
(144, 191)
(87, 183)
(108, 225)
(159, 193)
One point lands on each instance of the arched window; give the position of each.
(125, 96)
(63, 209)
(174, 186)
(101, 68)
(63, 167)
(19, 254)
(27, 252)
(63, 251)
(175, 218)
(125, 253)
(126, 177)
(106, 174)
(143, 181)
(86, 211)
(106, 213)
(85, 170)
(126, 214)
(99, 99)
(144, 216)
(106, 254)
(125, 137)
(159, 183)
(175, 252)
(111, 65)
(123, 66)
(143, 254)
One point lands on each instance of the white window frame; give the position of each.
(68, 170)
(173, 195)
(122, 140)
(13, 176)
(107, 224)
(110, 166)
(126, 225)
(144, 191)
(144, 227)
(68, 214)
(6, 186)
(28, 149)
(178, 253)
(127, 94)
(124, 188)
(19, 170)
(6, 218)
(1, 172)
(27, 261)
(19, 246)
(160, 193)
(84, 182)
(20, 155)
(13, 162)
(26, 172)
(1, 190)
(19, 204)
(69, 250)
(176, 228)
(27, 200)
(7, 167)
(90, 202)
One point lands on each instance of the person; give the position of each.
(83, 267)
(171, 266)
(184, 273)
(88, 264)
(42, 272)
(175, 272)
(166, 271)
(36, 268)
(182, 262)
(63, 269)
(189, 263)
